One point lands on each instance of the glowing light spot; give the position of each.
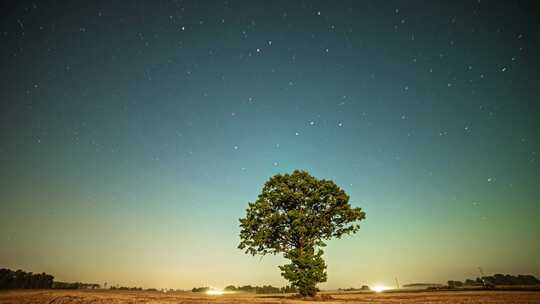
(215, 292)
(379, 288)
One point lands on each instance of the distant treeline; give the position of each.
(249, 288)
(19, 279)
(262, 289)
(363, 288)
(131, 288)
(10, 279)
(422, 285)
(498, 279)
(76, 285)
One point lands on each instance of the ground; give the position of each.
(120, 297)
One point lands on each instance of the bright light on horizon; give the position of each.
(215, 292)
(380, 288)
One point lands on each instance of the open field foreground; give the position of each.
(61, 297)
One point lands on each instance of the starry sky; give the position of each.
(134, 133)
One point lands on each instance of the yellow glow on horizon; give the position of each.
(215, 292)
(380, 288)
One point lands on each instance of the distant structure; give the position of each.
(482, 275)
(485, 283)
(397, 284)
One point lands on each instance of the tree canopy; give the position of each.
(295, 214)
(10, 279)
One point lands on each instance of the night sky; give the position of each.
(133, 135)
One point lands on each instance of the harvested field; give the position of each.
(120, 297)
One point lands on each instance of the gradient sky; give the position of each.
(134, 133)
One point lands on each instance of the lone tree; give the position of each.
(294, 215)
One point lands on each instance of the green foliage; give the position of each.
(306, 269)
(295, 214)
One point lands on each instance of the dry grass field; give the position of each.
(121, 297)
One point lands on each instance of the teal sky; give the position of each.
(133, 135)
